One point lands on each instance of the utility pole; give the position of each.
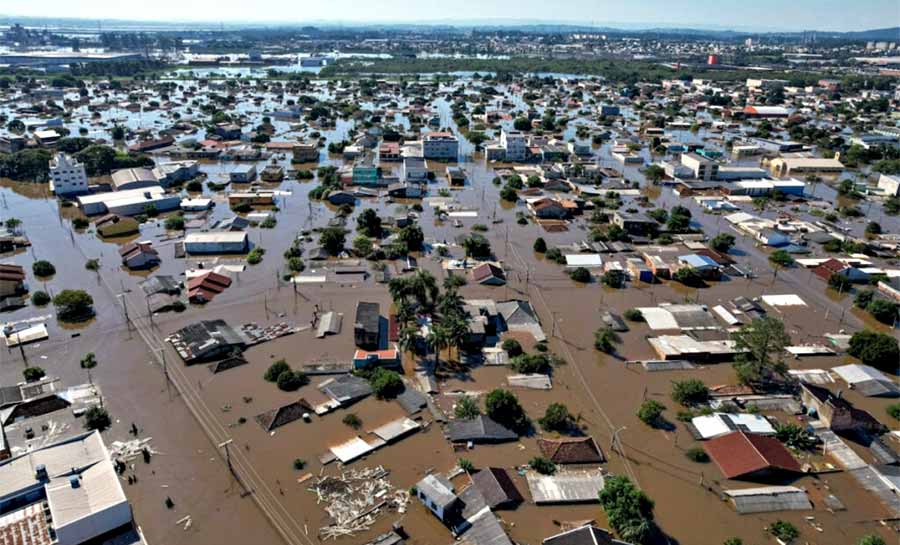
(225, 445)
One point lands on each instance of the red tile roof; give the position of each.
(738, 454)
(576, 450)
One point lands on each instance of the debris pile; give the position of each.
(354, 499)
(127, 451)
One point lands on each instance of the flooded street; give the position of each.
(230, 476)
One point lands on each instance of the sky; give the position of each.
(758, 15)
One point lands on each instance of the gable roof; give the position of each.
(574, 450)
(585, 535)
(479, 429)
(496, 486)
(738, 454)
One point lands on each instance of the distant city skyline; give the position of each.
(758, 15)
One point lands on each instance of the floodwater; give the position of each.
(601, 389)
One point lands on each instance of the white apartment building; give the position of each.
(440, 145)
(889, 185)
(514, 144)
(67, 176)
(701, 167)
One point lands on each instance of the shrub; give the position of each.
(605, 339)
(92, 265)
(255, 256)
(697, 454)
(386, 384)
(839, 282)
(40, 298)
(33, 374)
(43, 268)
(689, 277)
(80, 223)
(291, 381)
(531, 363)
(794, 436)
(299, 463)
(540, 246)
(465, 465)
(97, 418)
(542, 465)
(785, 531)
(72, 305)
(466, 408)
(580, 274)
(353, 421)
(274, 371)
(512, 347)
(876, 349)
(781, 258)
(628, 510)
(557, 418)
(633, 315)
(175, 222)
(722, 242)
(650, 412)
(893, 410)
(870, 539)
(690, 392)
(503, 407)
(883, 310)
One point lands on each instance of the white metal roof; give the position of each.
(717, 424)
(584, 260)
(855, 373)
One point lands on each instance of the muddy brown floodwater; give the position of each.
(602, 390)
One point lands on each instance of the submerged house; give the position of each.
(836, 412)
(366, 325)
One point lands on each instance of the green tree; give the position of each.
(353, 421)
(542, 465)
(876, 349)
(722, 242)
(785, 531)
(689, 276)
(275, 370)
(332, 240)
(368, 223)
(690, 392)
(794, 436)
(650, 412)
(870, 539)
(781, 258)
(40, 298)
(503, 407)
(412, 237)
(762, 343)
(466, 408)
(580, 274)
(32, 374)
(883, 310)
(654, 173)
(97, 418)
(839, 282)
(291, 381)
(557, 418)
(540, 246)
(477, 246)
(605, 340)
(73, 305)
(362, 246)
(386, 384)
(88, 362)
(43, 268)
(628, 510)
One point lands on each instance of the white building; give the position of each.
(67, 176)
(889, 185)
(413, 169)
(130, 202)
(67, 493)
(701, 167)
(216, 242)
(515, 145)
(440, 145)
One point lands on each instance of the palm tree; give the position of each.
(406, 313)
(458, 332)
(438, 339)
(399, 288)
(88, 362)
(425, 288)
(408, 338)
(450, 304)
